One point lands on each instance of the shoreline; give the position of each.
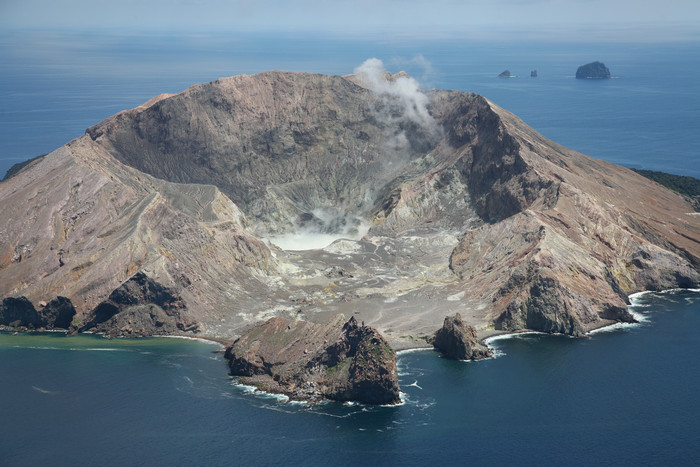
(399, 346)
(488, 335)
(208, 339)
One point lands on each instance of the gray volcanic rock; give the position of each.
(460, 206)
(140, 307)
(20, 313)
(309, 361)
(58, 313)
(593, 70)
(458, 341)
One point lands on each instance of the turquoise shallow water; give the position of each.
(627, 396)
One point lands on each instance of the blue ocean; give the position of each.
(627, 395)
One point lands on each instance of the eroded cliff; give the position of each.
(307, 361)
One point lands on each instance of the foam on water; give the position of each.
(254, 391)
(418, 349)
(515, 335)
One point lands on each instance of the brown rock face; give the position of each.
(20, 313)
(58, 313)
(309, 361)
(140, 307)
(458, 341)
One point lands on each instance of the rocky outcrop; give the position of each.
(593, 70)
(140, 307)
(20, 313)
(58, 313)
(458, 341)
(309, 361)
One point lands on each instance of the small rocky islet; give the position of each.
(593, 70)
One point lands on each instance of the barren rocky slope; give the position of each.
(337, 360)
(469, 210)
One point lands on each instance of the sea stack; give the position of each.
(457, 340)
(593, 70)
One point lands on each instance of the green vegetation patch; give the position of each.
(15, 169)
(683, 184)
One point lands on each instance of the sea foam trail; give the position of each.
(502, 337)
(407, 351)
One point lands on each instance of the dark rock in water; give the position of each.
(458, 341)
(20, 313)
(552, 308)
(58, 313)
(308, 361)
(140, 307)
(594, 70)
(505, 74)
(549, 307)
(533, 74)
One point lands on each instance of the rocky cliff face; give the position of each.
(467, 208)
(20, 313)
(310, 362)
(140, 307)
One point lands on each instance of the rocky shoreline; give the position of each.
(310, 382)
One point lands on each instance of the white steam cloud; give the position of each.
(401, 89)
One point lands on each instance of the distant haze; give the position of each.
(626, 20)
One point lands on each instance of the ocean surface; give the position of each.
(624, 396)
(55, 85)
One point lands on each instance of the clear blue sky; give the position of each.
(576, 19)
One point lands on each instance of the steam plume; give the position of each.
(400, 89)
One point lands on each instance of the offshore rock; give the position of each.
(458, 341)
(140, 307)
(593, 70)
(308, 361)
